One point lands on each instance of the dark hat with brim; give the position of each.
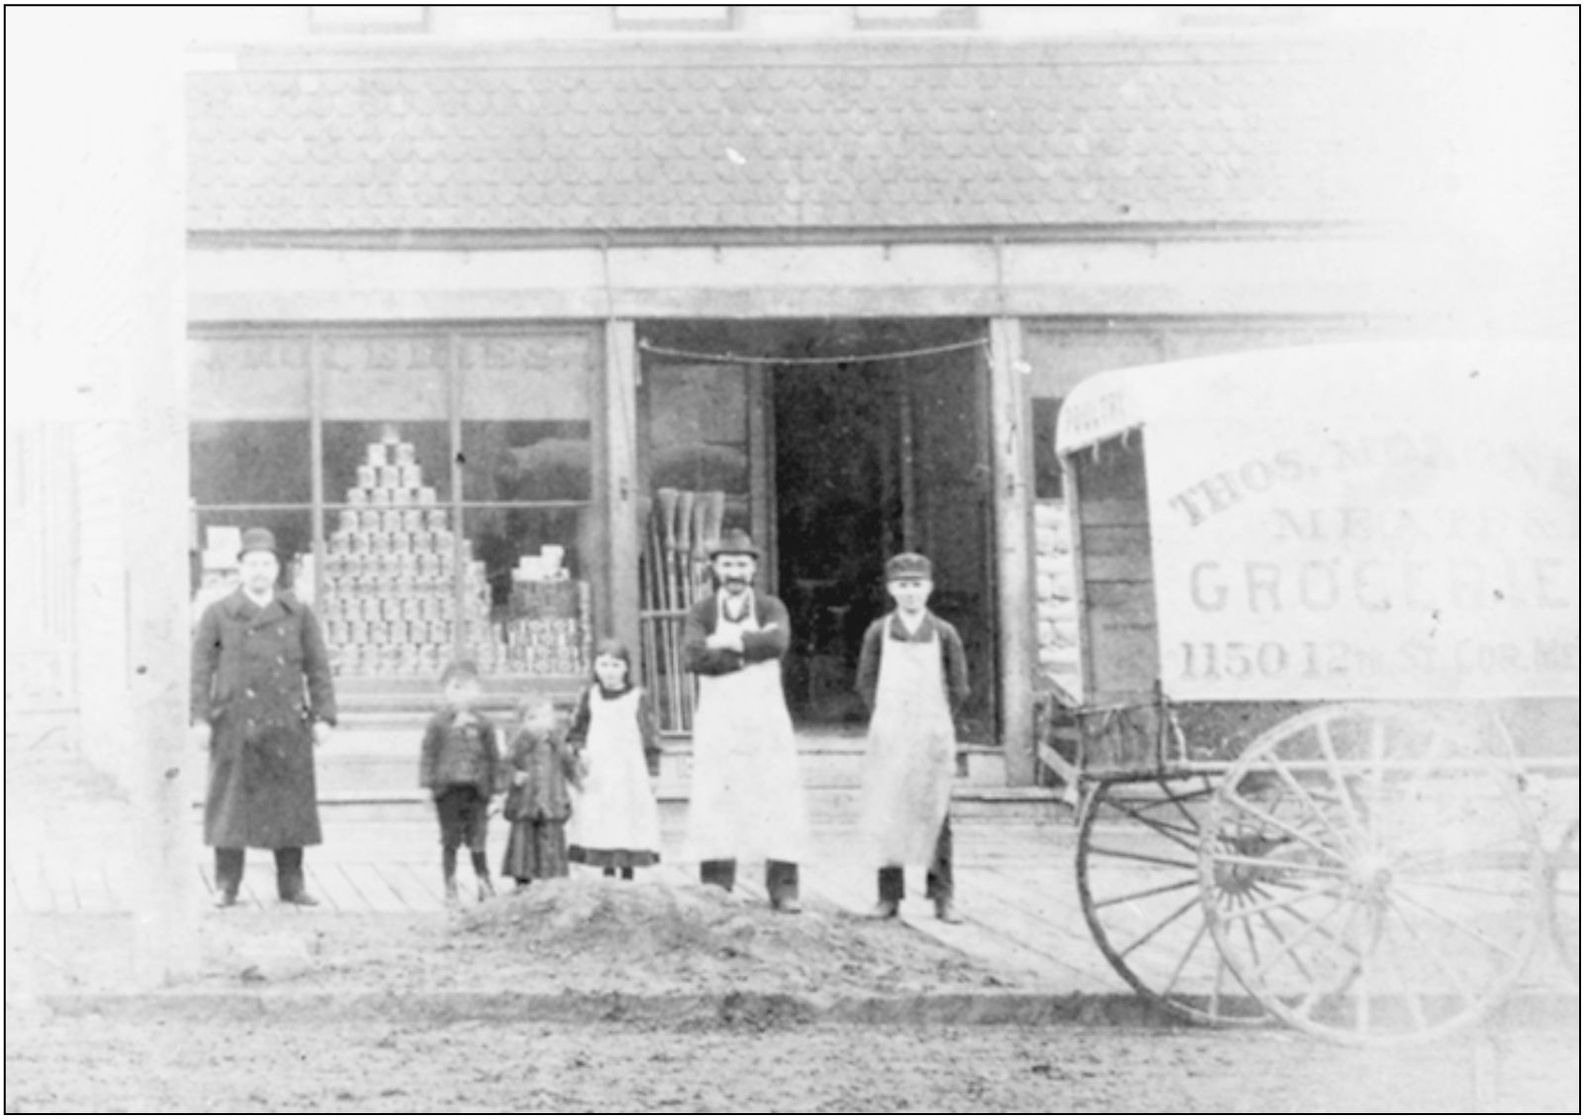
(909, 565)
(257, 540)
(735, 542)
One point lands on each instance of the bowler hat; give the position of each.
(735, 542)
(257, 540)
(908, 565)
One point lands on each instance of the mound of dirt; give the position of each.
(609, 935)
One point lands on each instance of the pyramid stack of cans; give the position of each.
(390, 599)
(389, 596)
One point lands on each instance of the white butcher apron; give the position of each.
(746, 799)
(908, 772)
(615, 811)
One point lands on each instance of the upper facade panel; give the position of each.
(790, 138)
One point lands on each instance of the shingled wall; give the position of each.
(771, 137)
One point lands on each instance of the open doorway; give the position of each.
(859, 439)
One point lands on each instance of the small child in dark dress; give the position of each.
(541, 767)
(458, 765)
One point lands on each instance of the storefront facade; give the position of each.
(583, 309)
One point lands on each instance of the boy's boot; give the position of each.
(783, 886)
(946, 911)
(482, 876)
(890, 890)
(940, 877)
(449, 872)
(718, 873)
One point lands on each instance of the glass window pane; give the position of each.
(240, 461)
(527, 612)
(249, 377)
(1047, 474)
(385, 376)
(526, 415)
(699, 434)
(529, 375)
(526, 461)
(387, 463)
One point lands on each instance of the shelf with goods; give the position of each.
(1058, 618)
(1058, 627)
(401, 593)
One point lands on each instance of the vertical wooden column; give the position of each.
(1011, 463)
(618, 570)
(145, 334)
(763, 472)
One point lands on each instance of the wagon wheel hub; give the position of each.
(1371, 876)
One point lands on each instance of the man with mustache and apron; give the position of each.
(912, 674)
(746, 797)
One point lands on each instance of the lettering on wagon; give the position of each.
(1379, 584)
(1343, 659)
(1408, 455)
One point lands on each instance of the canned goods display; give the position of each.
(395, 602)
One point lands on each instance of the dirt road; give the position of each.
(99, 1064)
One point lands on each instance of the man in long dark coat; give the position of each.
(262, 701)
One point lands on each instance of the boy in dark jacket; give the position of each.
(458, 764)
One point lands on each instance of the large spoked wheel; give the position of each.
(1565, 904)
(1136, 870)
(1372, 875)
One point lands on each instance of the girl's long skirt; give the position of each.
(536, 850)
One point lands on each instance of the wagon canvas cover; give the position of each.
(1374, 520)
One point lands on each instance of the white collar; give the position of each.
(270, 597)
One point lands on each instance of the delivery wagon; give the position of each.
(1328, 723)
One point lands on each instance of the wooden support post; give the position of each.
(1011, 464)
(144, 333)
(619, 569)
(763, 473)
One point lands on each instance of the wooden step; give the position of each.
(379, 751)
(825, 807)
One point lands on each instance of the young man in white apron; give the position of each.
(912, 675)
(746, 797)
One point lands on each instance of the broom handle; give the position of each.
(697, 545)
(681, 586)
(662, 536)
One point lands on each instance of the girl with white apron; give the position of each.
(615, 824)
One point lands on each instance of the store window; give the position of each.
(429, 490)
